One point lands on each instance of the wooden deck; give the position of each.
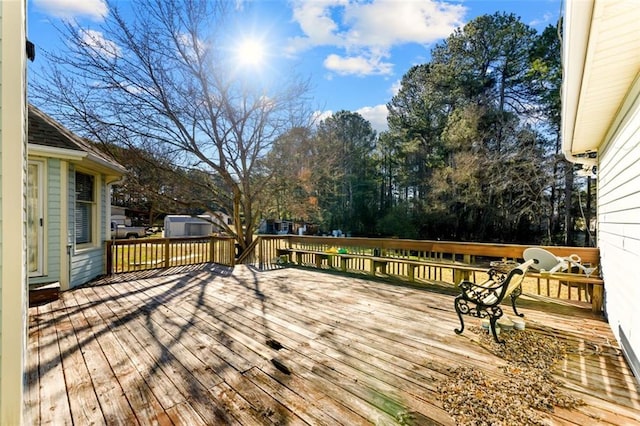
(201, 347)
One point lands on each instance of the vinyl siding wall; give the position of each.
(619, 221)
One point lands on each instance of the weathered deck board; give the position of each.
(100, 359)
(357, 362)
(155, 378)
(54, 403)
(252, 336)
(85, 408)
(244, 339)
(143, 403)
(191, 348)
(32, 399)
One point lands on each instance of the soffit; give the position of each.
(611, 64)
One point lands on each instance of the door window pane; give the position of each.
(33, 219)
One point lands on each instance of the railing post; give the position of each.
(212, 248)
(231, 249)
(459, 275)
(167, 252)
(260, 253)
(109, 257)
(597, 298)
(466, 258)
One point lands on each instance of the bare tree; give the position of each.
(158, 78)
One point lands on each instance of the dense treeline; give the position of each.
(472, 151)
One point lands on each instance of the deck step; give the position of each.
(44, 293)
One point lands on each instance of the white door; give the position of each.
(35, 218)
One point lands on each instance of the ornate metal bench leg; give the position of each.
(514, 295)
(461, 308)
(494, 315)
(493, 321)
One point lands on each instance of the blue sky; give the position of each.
(355, 52)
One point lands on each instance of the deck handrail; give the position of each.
(159, 253)
(496, 250)
(461, 258)
(440, 249)
(421, 260)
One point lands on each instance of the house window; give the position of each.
(85, 207)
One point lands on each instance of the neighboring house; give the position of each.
(13, 162)
(275, 226)
(69, 209)
(601, 130)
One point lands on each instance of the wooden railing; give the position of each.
(414, 260)
(153, 253)
(423, 261)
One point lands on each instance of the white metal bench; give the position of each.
(483, 300)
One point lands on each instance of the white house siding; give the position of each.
(619, 222)
(13, 163)
(87, 265)
(52, 224)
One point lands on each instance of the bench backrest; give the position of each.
(515, 278)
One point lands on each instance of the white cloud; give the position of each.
(102, 46)
(376, 115)
(368, 30)
(357, 65)
(390, 22)
(319, 116)
(395, 87)
(314, 18)
(68, 9)
(546, 18)
(379, 23)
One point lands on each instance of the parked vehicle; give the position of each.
(124, 231)
(121, 228)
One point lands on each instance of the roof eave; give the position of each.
(55, 152)
(577, 27)
(90, 161)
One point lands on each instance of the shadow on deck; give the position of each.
(215, 345)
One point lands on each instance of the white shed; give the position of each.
(187, 226)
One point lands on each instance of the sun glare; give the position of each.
(250, 52)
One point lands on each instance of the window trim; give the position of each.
(94, 237)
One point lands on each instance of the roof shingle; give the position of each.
(45, 131)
